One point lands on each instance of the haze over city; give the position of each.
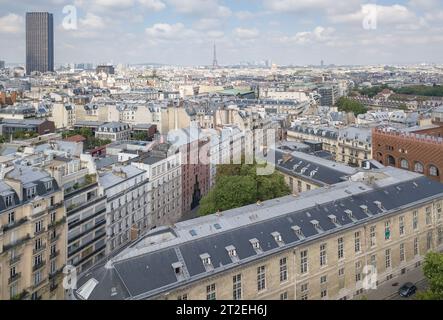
(286, 32)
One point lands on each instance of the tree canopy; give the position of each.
(239, 185)
(348, 105)
(433, 270)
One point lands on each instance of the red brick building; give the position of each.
(419, 151)
(195, 174)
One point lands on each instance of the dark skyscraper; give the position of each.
(39, 42)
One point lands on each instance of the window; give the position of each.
(183, 297)
(284, 296)
(53, 216)
(37, 260)
(418, 167)
(401, 224)
(304, 261)
(11, 217)
(48, 185)
(323, 257)
(440, 235)
(340, 248)
(37, 278)
(8, 200)
(283, 270)
(30, 192)
(428, 216)
(210, 292)
(374, 261)
(38, 244)
(416, 248)
(261, 278)
(323, 293)
(304, 287)
(373, 236)
(323, 279)
(53, 266)
(357, 242)
(388, 258)
(387, 230)
(341, 272)
(415, 220)
(404, 164)
(38, 226)
(402, 252)
(433, 171)
(236, 287)
(358, 271)
(429, 240)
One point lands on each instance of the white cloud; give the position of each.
(11, 23)
(155, 5)
(309, 5)
(207, 23)
(166, 31)
(243, 33)
(207, 8)
(388, 14)
(92, 21)
(319, 34)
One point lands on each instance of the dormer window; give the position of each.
(30, 192)
(297, 231)
(48, 185)
(349, 214)
(231, 251)
(378, 204)
(277, 237)
(315, 223)
(333, 219)
(255, 244)
(206, 259)
(364, 208)
(8, 200)
(178, 267)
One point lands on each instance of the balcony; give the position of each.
(14, 260)
(55, 224)
(14, 278)
(54, 254)
(39, 249)
(40, 232)
(53, 239)
(14, 225)
(16, 243)
(38, 266)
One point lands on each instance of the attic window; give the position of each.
(333, 218)
(193, 233)
(315, 223)
(255, 243)
(277, 237)
(178, 267)
(30, 192)
(206, 259)
(48, 185)
(217, 226)
(378, 204)
(231, 251)
(8, 200)
(297, 230)
(349, 214)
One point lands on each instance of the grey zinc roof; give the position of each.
(313, 168)
(145, 269)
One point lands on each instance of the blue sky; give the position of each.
(183, 32)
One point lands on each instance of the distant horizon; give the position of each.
(182, 32)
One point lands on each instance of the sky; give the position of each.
(183, 32)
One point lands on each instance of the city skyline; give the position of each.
(283, 31)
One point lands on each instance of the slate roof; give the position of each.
(318, 170)
(145, 270)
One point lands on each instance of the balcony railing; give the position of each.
(15, 260)
(16, 243)
(14, 278)
(39, 249)
(54, 254)
(39, 265)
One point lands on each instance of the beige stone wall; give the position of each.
(336, 286)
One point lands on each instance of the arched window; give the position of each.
(404, 164)
(391, 161)
(418, 167)
(433, 171)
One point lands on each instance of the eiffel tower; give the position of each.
(215, 62)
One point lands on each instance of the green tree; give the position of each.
(433, 270)
(349, 105)
(238, 185)
(2, 139)
(140, 136)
